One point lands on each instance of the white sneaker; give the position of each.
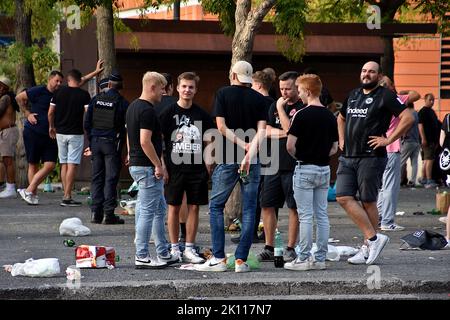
(28, 197)
(392, 227)
(8, 193)
(375, 247)
(319, 265)
(190, 256)
(299, 265)
(147, 263)
(170, 258)
(241, 266)
(360, 257)
(214, 264)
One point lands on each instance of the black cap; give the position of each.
(115, 76)
(103, 83)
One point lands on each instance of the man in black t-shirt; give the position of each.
(184, 125)
(312, 139)
(363, 121)
(144, 152)
(429, 130)
(241, 122)
(167, 99)
(277, 187)
(39, 146)
(65, 118)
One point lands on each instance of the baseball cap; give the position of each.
(115, 77)
(244, 71)
(103, 83)
(5, 81)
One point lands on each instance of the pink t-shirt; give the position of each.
(395, 146)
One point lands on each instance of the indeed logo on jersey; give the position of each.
(359, 113)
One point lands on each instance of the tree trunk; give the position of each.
(248, 23)
(388, 59)
(233, 207)
(25, 79)
(22, 33)
(105, 38)
(176, 10)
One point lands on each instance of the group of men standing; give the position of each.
(181, 146)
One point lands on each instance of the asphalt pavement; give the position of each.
(32, 232)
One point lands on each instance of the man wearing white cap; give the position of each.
(8, 141)
(241, 121)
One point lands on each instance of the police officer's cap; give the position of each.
(115, 77)
(103, 83)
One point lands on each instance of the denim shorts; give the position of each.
(70, 148)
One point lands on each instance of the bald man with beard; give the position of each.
(362, 124)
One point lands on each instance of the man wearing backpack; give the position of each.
(105, 127)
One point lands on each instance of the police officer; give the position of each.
(105, 127)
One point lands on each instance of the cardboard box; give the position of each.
(95, 256)
(442, 202)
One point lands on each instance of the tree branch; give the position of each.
(256, 17)
(242, 9)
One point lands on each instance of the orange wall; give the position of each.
(417, 67)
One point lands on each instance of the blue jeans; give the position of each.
(150, 211)
(388, 196)
(311, 184)
(224, 178)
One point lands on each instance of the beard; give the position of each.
(369, 85)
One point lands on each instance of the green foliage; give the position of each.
(289, 20)
(225, 9)
(336, 11)
(6, 66)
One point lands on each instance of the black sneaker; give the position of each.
(96, 218)
(70, 203)
(255, 239)
(113, 220)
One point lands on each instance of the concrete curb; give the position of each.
(198, 289)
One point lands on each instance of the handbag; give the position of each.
(423, 239)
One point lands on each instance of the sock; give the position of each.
(175, 246)
(270, 248)
(183, 229)
(189, 245)
(290, 248)
(373, 238)
(10, 186)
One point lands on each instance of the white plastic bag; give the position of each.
(128, 205)
(332, 254)
(36, 268)
(347, 251)
(73, 227)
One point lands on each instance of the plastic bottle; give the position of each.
(48, 185)
(278, 250)
(69, 243)
(237, 222)
(244, 177)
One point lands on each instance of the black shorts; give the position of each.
(276, 190)
(39, 147)
(195, 184)
(360, 174)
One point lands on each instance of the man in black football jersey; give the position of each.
(362, 123)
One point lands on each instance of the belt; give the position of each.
(303, 163)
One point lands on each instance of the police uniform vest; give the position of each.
(105, 112)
